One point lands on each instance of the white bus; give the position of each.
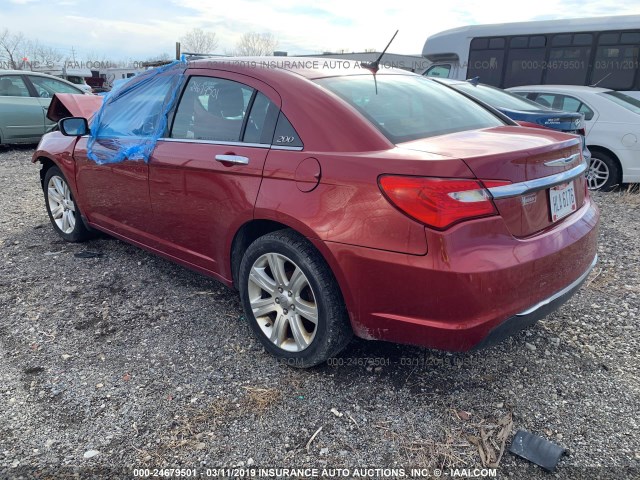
(583, 51)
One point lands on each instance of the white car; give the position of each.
(613, 128)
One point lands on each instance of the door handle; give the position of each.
(239, 159)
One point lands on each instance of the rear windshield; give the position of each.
(408, 107)
(499, 98)
(623, 100)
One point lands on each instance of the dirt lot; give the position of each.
(125, 360)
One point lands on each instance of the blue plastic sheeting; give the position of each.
(134, 115)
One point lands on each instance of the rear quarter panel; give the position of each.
(348, 206)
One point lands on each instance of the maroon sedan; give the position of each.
(337, 201)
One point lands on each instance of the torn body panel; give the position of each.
(65, 105)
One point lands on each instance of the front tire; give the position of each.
(62, 209)
(292, 301)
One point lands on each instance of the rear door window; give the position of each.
(565, 103)
(13, 86)
(262, 121)
(47, 87)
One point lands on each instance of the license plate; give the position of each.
(562, 201)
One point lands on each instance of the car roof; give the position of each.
(451, 81)
(28, 72)
(308, 67)
(561, 88)
(39, 74)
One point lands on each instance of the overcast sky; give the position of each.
(125, 29)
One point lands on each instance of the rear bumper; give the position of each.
(476, 285)
(525, 319)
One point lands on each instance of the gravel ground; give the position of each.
(126, 360)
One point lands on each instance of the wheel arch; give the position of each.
(247, 234)
(594, 149)
(253, 229)
(46, 163)
(605, 150)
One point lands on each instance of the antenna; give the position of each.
(601, 80)
(375, 66)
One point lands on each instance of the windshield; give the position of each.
(408, 107)
(623, 100)
(498, 98)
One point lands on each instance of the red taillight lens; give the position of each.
(437, 202)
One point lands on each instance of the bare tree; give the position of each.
(163, 57)
(198, 41)
(41, 55)
(99, 59)
(256, 44)
(11, 47)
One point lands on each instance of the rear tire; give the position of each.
(292, 301)
(63, 212)
(604, 172)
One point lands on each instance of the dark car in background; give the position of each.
(523, 111)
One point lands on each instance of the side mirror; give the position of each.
(73, 126)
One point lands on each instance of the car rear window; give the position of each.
(626, 101)
(408, 107)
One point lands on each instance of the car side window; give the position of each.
(285, 135)
(572, 104)
(545, 99)
(586, 111)
(565, 103)
(13, 86)
(47, 87)
(438, 71)
(262, 121)
(212, 109)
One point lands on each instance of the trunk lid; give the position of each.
(514, 155)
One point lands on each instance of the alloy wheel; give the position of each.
(283, 302)
(61, 204)
(598, 173)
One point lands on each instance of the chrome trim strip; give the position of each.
(530, 186)
(282, 147)
(232, 144)
(561, 162)
(213, 142)
(562, 292)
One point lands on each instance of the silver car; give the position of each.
(24, 100)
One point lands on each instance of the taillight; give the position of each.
(438, 202)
